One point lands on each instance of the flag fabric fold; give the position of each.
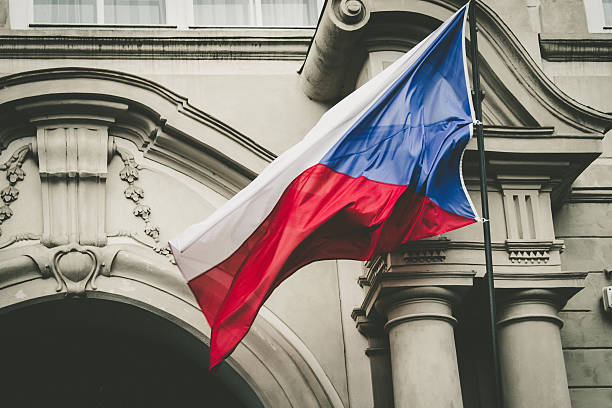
(381, 168)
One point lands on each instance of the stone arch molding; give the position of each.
(110, 149)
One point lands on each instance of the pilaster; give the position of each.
(378, 354)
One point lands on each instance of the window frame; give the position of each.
(256, 17)
(181, 16)
(595, 17)
(99, 19)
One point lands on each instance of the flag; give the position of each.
(380, 168)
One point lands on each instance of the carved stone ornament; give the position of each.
(130, 174)
(426, 251)
(73, 266)
(534, 252)
(14, 174)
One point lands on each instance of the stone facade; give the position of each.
(113, 141)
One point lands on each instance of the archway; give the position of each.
(104, 353)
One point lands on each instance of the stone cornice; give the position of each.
(590, 195)
(207, 44)
(576, 47)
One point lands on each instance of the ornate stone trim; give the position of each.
(531, 252)
(595, 47)
(130, 174)
(198, 45)
(14, 174)
(74, 267)
(426, 251)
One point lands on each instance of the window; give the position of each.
(134, 12)
(607, 11)
(255, 12)
(65, 11)
(223, 12)
(130, 12)
(173, 14)
(599, 15)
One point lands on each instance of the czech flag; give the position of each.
(380, 168)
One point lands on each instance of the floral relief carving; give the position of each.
(135, 193)
(14, 174)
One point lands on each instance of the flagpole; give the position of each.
(485, 204)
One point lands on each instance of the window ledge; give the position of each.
(250, 27)
(102, 26)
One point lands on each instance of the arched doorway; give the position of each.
(78, 352)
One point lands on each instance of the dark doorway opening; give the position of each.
(101, 353)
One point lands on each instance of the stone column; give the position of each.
(422, 344)
(531, 357)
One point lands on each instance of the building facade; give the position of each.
(123, 122)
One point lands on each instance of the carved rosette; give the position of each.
(14, 174)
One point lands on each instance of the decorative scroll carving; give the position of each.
(349, 11)
(130, 174)
(74, 267)
(14, 174)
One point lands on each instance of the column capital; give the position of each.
(449, 295)
(532, 305)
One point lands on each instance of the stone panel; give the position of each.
(589, 368)
(593, 91)
(591, 397)
(586, 254)
(586, 329)
(584, 219)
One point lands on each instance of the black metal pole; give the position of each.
(485, 204)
